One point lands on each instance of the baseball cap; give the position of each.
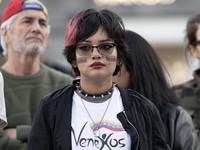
(16, 6)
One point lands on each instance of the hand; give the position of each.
(11, 133)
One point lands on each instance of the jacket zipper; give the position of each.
(134, 129)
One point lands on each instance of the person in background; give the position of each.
(3, 118)
(189, 92)
(144, 72)
(94, 113)
(25, 35)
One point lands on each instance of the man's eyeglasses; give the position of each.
(86, 49)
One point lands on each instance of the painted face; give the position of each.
(96, 56)
(29, 33)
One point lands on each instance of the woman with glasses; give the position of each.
(189, 92)
(94, 113)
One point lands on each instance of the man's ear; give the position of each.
(194, 52)
(4, 33)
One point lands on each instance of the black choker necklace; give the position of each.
(84, 94)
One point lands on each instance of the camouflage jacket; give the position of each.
(189, 96)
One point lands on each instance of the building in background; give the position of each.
(161, 23)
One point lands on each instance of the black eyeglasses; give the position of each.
(86, 49)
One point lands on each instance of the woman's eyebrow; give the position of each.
(101, 41)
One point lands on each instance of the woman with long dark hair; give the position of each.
(145, 73)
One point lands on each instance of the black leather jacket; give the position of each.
(179, 128)
(51, 129)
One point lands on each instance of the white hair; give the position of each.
(8, 25)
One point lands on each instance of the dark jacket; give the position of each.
(179, 128)
(189, 95)
(51, 128)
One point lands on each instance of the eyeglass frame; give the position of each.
(97, 47)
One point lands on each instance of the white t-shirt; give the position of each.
(3, 119)
(111, 134)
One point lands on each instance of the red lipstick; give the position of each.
(97, 65)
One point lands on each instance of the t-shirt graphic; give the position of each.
(95, 133)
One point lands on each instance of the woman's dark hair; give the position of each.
(85, 24)
(147, 72)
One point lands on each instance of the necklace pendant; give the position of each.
(96, 133)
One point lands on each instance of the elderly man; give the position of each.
(24, 38)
